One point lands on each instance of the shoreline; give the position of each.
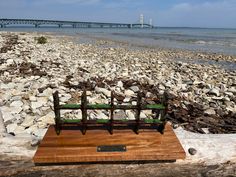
(202, 97)
(180, 53)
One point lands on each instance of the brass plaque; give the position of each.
(111, 148)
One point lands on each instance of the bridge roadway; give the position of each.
(42, 23)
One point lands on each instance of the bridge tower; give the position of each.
(141, 20)
(150, 22)
(36, 25)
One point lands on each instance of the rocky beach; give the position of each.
(200, 88)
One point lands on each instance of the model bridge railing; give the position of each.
(158, 122)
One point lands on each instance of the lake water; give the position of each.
(200, 39)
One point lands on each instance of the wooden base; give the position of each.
(73, 147)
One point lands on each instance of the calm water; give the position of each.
(209, 40)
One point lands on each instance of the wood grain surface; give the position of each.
(71, 146)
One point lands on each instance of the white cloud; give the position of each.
(73, 1)
(207, 14)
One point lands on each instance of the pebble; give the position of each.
(33, 98)
(101, 115)
(11, 128)
(210, 111)
(130, 115)
(28, 121)
(16, 104)
(215, 91)
(48, 119)
(35, 105)
(35, 142)
(232, 89)
(119, 115)
(129, 93)
(120, 84)
(192, 151)
(134, 89)
(104, 91)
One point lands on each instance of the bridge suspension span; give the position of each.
(74, 24)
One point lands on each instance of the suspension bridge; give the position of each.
(74, 24)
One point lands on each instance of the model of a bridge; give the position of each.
(83, 124)
(71, 143)
(74, 24)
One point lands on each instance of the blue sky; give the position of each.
(188, 13)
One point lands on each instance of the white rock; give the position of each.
(11, 128)
(48, 119)
(19, 129)
(151, 82)
(126, 100)
(142, 115)
(7, 116)
(134, 88)
(17, 145)
(129, 93)
(26, 107)
(41, 125)
(6, 96)
(16, 104)
(8, 86)
(169, 84)
(120, 84)
(184, 86)
(1, 102)
(215, 91)
(33, 98)
(210, 111)
(119, 114)
(3, 129)
(101, 115)
(218, 98)
(45, 108)
(10, 61)
(232, 109)
(130, 115)
(35, 105)
(16, 98)
(16, 92)
(232, 89)
(31, 129)
(43, 100)
(28, 121)
(161, 87)
(104, 91)
(147, 112)
(205, 130)
(38, 104)
(65, 98)
(229, 93)
(149, 94)
(16, 110)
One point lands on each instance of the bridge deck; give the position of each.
(74, 24)
(71, 146)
